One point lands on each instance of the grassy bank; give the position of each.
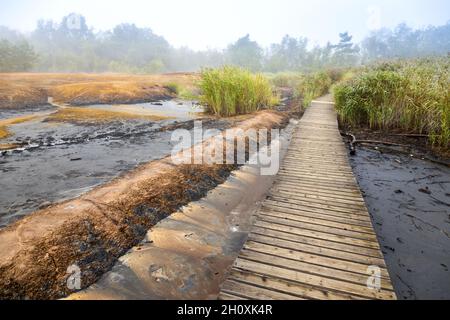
(314, 85)
(94, 116)
(232, 91)
(23, 90)
(307, 86)
(406, 96)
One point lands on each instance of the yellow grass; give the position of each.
(18, 90)
(90, 115)
(4, 133)
(8, 146)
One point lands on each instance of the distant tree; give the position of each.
(404, 42)
(290, 54)
(70, 45)
(345, 52)
(246, 53)
(16, 57)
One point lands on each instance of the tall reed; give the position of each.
(411, 96)
(231, 91)
(314, 85)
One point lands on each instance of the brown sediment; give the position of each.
(91, 115)
(92, 231)
(23, 90)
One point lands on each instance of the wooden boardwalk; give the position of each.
(313, 237)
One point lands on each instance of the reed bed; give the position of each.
(409, 96)
(230, 91)
(314, 85)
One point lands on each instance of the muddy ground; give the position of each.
(52, 161)
(409, 202)
(93, 230)
(187, 255)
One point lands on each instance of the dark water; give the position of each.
(409, 201)
(62, 161)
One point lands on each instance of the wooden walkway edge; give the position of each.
(313, 236)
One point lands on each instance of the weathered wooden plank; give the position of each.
(300, 290)
(319, 222)
(291, 261)
(314, 280)
(344, 235)
(312, 237)
(310, 246)
(314, 215)
(319, 242)
(253, 292)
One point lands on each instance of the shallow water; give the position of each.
(61, 160)
(409, 202)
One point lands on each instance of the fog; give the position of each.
(165, 36)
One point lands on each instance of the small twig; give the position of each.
(412, 135)
(381, 142)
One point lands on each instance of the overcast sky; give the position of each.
(202, 24)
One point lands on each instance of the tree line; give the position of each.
(72, 46)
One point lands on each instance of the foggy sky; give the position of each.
(201, 24)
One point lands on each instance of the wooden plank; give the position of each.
(317, 281)
(330, 203)
(229, 297)
(249, 291)
(319, 208)
(291, 260)
(317, 216)
(310, 246)
(300, 290)
(325, 231)
(312, 237)
(333, 263)
(306, 238)
(319, 222)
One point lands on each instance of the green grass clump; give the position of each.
(314, 85)
(173, 88)
(232, 91)
(286, 79)
(411, 96)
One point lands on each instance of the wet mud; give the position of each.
(48, 162)
(186, 256)
(93, 230)
(409, 202)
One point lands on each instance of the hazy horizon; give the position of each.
(202, 24)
